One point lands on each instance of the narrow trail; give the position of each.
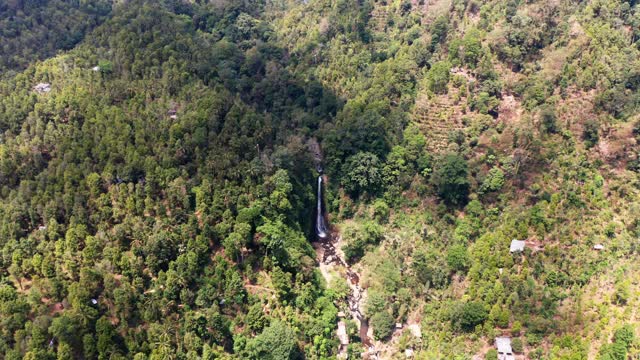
(330, 258)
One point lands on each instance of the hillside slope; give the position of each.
(157, 202)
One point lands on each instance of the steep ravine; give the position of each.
(330, 259)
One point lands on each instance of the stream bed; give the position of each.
(330, 258)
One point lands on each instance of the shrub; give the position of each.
(548, 119)
(439, 30)
(494, 181)
(590, 133)
(380, 210)
(492, 354)
(457, 258)
(255, 318)
(376, 302)
(517, 346)
(622, 294)
(484, 103)
(516, 329)
(625, 334)
(383, 324)
(358, 237)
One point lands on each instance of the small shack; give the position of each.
(42, 88)
(173, 110)
(517, 246)
(416, 330)
(408, 353)
(598, 247)
(503, 345)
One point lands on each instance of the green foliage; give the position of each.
(614, 351)
(467, 50)
(376, 303)
(358, 132)
(430, 270)
(160, 207)
(492, 354)
(516, 328)
(105, 67)
(256, 319)
(499, 316)
(548, 119)
(457, 258)
(35, 30)
(625, 335)
(469, 315)
(622, 292)
(283, 244)
(525, 36)
(439, 29)
(383, 325)
(358, 238)
(517, 346)
(484, 103)
(276, 342)
(362, 174)
(450, 179)
(590, 133)
(380, 211)
(438, 77)
(494, 181)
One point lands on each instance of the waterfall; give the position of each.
(321, 226)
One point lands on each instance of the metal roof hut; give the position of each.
(516, 246)
(503, 344)
(42, 88)
(173, 110)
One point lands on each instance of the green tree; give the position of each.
(255, 318)
(492, 354)
(458, 258)
(494, 181)
(276, 342)
(590, 133)
(470, 315)
(517, 346)
(380, 211)
(548, 119)
(438, 77)
(383, 324)
(376, 303)
(361, 173)
(439, 29)
(450, 178)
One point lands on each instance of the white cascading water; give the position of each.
(321, 226)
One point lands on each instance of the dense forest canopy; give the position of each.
(33, 30)
(158, 178)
